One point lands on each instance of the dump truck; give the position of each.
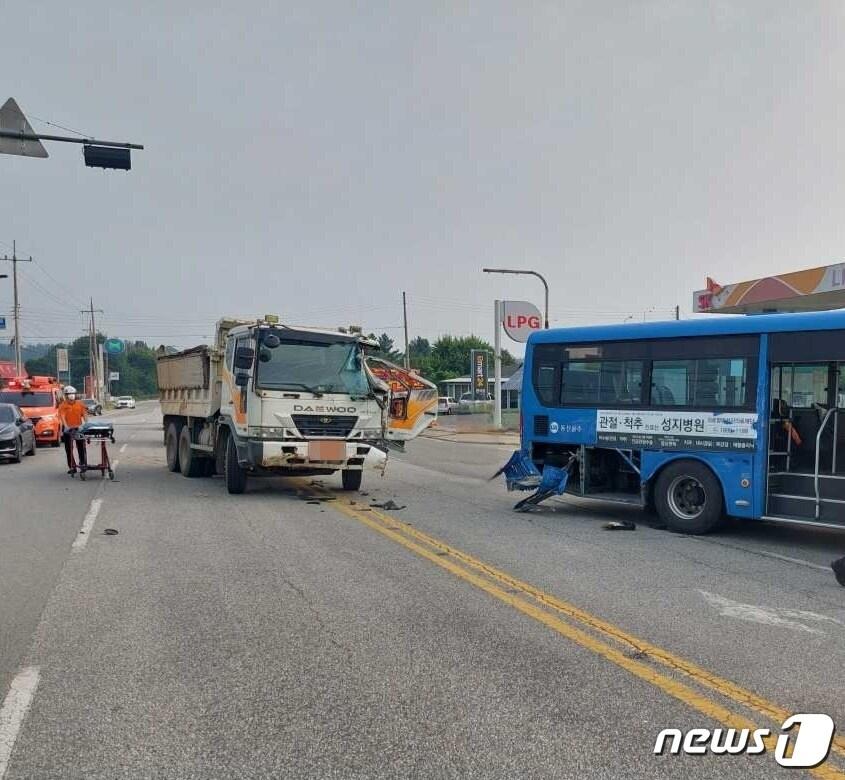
(268, 398)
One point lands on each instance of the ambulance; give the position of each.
(38, 398)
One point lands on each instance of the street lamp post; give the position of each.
(528, 273)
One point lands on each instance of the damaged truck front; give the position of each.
(272, 399)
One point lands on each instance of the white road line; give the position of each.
(14, 710)
(123, 448)
(87, 524)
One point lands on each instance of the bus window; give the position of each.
(546, 384)
(602, 382)
(706, 383)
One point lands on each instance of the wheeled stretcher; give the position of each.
(101, 431)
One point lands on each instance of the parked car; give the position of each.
(17, 433)
(467, 398)
(445, 405)
(92, 406)
(123, 402)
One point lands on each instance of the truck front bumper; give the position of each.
(298, 455)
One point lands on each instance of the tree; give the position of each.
(450, 356)
(388, 350)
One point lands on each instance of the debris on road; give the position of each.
(389, 504)
(110, 532)
(620, 525)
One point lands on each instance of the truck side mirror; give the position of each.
(241, 380)
(244, 357)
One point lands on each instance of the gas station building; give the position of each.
(813, 289)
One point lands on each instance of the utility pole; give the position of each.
(677, 312)
(93, 357)
(405, 318)
(14, 260)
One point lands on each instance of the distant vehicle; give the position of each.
(445, 404)
(17, 433)
(92, 406)
(467, 398)
(38, 398)
(123, 402)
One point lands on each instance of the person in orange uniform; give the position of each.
(72, 413)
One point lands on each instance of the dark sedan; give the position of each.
(92, 406)
(17, 434)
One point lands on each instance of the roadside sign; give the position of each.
(480, 389)
(113, 346)
(61, 360)
(12, 119)
(520, 319)
(114, 376)
(2, 323)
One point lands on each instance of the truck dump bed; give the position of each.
(188, 382)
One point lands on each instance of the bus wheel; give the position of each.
(688, 497)
(351, 479)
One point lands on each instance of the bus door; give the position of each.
(803, 417)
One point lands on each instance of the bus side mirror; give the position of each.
(241, 380)
(244, 357)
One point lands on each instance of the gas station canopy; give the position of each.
(813, 289)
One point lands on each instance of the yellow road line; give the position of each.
(702, 676)
(397, 531)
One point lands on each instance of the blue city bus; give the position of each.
(697, 419)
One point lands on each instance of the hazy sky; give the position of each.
(316, 159)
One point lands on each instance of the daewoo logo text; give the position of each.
(323, 409)
(810, 743)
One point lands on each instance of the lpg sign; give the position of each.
(520, 319)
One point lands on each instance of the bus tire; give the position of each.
(235, 475)
(189, 464)
(688, 497)
(351, 479)
(171, 446)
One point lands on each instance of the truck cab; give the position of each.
(271, 398)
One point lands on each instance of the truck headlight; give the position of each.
(260, 432)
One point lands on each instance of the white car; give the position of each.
(445, 405)
(123, 402)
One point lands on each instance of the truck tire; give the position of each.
(351, 479)
(189, 464)
(171, 446)
(235, 475)
(688, 497)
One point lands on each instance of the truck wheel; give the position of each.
(235, 475)
(351, 479)
(688, 497)
(189, 464)
(171, 447)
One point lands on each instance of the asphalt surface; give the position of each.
(275, 634)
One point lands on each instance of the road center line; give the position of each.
(87, 524)
(398, 531)
(13, 712)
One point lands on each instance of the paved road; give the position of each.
(276, 634)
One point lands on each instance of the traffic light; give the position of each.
(107, 157)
